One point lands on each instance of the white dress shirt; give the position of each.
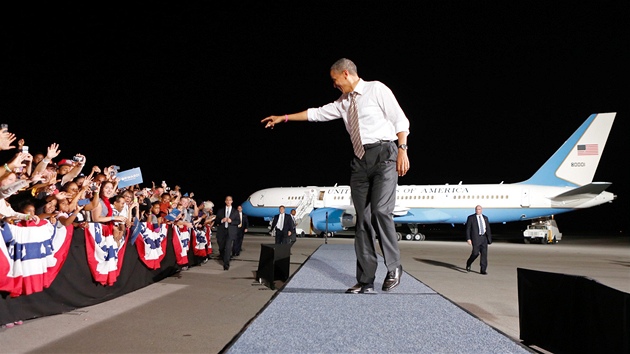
(228, 210)
(380, 115)
(280, 224)
(482, 225)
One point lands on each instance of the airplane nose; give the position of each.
(248, 208)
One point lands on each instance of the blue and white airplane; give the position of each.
(563, 184)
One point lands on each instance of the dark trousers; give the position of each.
(479, 246)
(238, 243)
(225, 239)
(281, 237)
(373, 183)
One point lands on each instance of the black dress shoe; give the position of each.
(392, 279)
(483, 272)
(226, 267)
(361, 288)
(468, 268)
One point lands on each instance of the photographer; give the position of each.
(68, 170)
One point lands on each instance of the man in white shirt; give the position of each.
(374, 120)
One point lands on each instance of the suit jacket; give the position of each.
(233, 226)
(288, 223)
(244, 223)
(472, 228)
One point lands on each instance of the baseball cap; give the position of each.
(65, 162)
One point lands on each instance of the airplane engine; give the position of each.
(335, 219)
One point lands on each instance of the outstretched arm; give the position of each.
(273, 120)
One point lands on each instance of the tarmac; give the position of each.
(203, 309)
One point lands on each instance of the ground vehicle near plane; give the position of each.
(542, 231)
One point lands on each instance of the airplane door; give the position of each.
(261, 200)
(525, 198)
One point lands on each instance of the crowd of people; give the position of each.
(36, 189)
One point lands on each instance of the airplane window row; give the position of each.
(295, 198)
(414, 197)
(454, 197)
(480, 197)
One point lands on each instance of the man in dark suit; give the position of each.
(240, 233)
(478, 235)
(282, 224)
(227, 230)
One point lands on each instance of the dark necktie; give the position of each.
(353, 122)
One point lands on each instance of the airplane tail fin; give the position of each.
(575, 162)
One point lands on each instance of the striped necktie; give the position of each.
(353, 122)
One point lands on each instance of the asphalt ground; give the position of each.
(201, 310)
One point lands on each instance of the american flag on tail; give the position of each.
(587, 149)
(151, 244)
(31, 256)
(181, 242)
(202, 246)
(105, 255)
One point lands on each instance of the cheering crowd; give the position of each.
(37, 191)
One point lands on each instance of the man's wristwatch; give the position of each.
(403, 146)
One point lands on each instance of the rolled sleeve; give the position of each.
(391, 108)
(324, 113)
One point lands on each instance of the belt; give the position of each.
(378, 143)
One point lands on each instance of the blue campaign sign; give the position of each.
(129, 177)
(173, 214)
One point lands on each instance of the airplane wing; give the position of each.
(424, 216)
(400, 211)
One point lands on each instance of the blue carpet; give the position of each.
(312, 314)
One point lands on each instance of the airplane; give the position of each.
(564, 183)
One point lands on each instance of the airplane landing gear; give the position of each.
(415, 237)
(414, 234)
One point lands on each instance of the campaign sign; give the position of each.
(129, 177)
(173, 214)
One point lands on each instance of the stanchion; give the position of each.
(326, 233)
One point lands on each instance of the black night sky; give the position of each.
(179, 90)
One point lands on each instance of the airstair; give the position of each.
(302, 211)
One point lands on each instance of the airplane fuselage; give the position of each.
(426, 204)
(563, 183)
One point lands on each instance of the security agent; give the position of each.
(479, 235)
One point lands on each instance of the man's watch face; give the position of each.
(403, 146)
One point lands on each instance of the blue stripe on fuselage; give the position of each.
(459, 215)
